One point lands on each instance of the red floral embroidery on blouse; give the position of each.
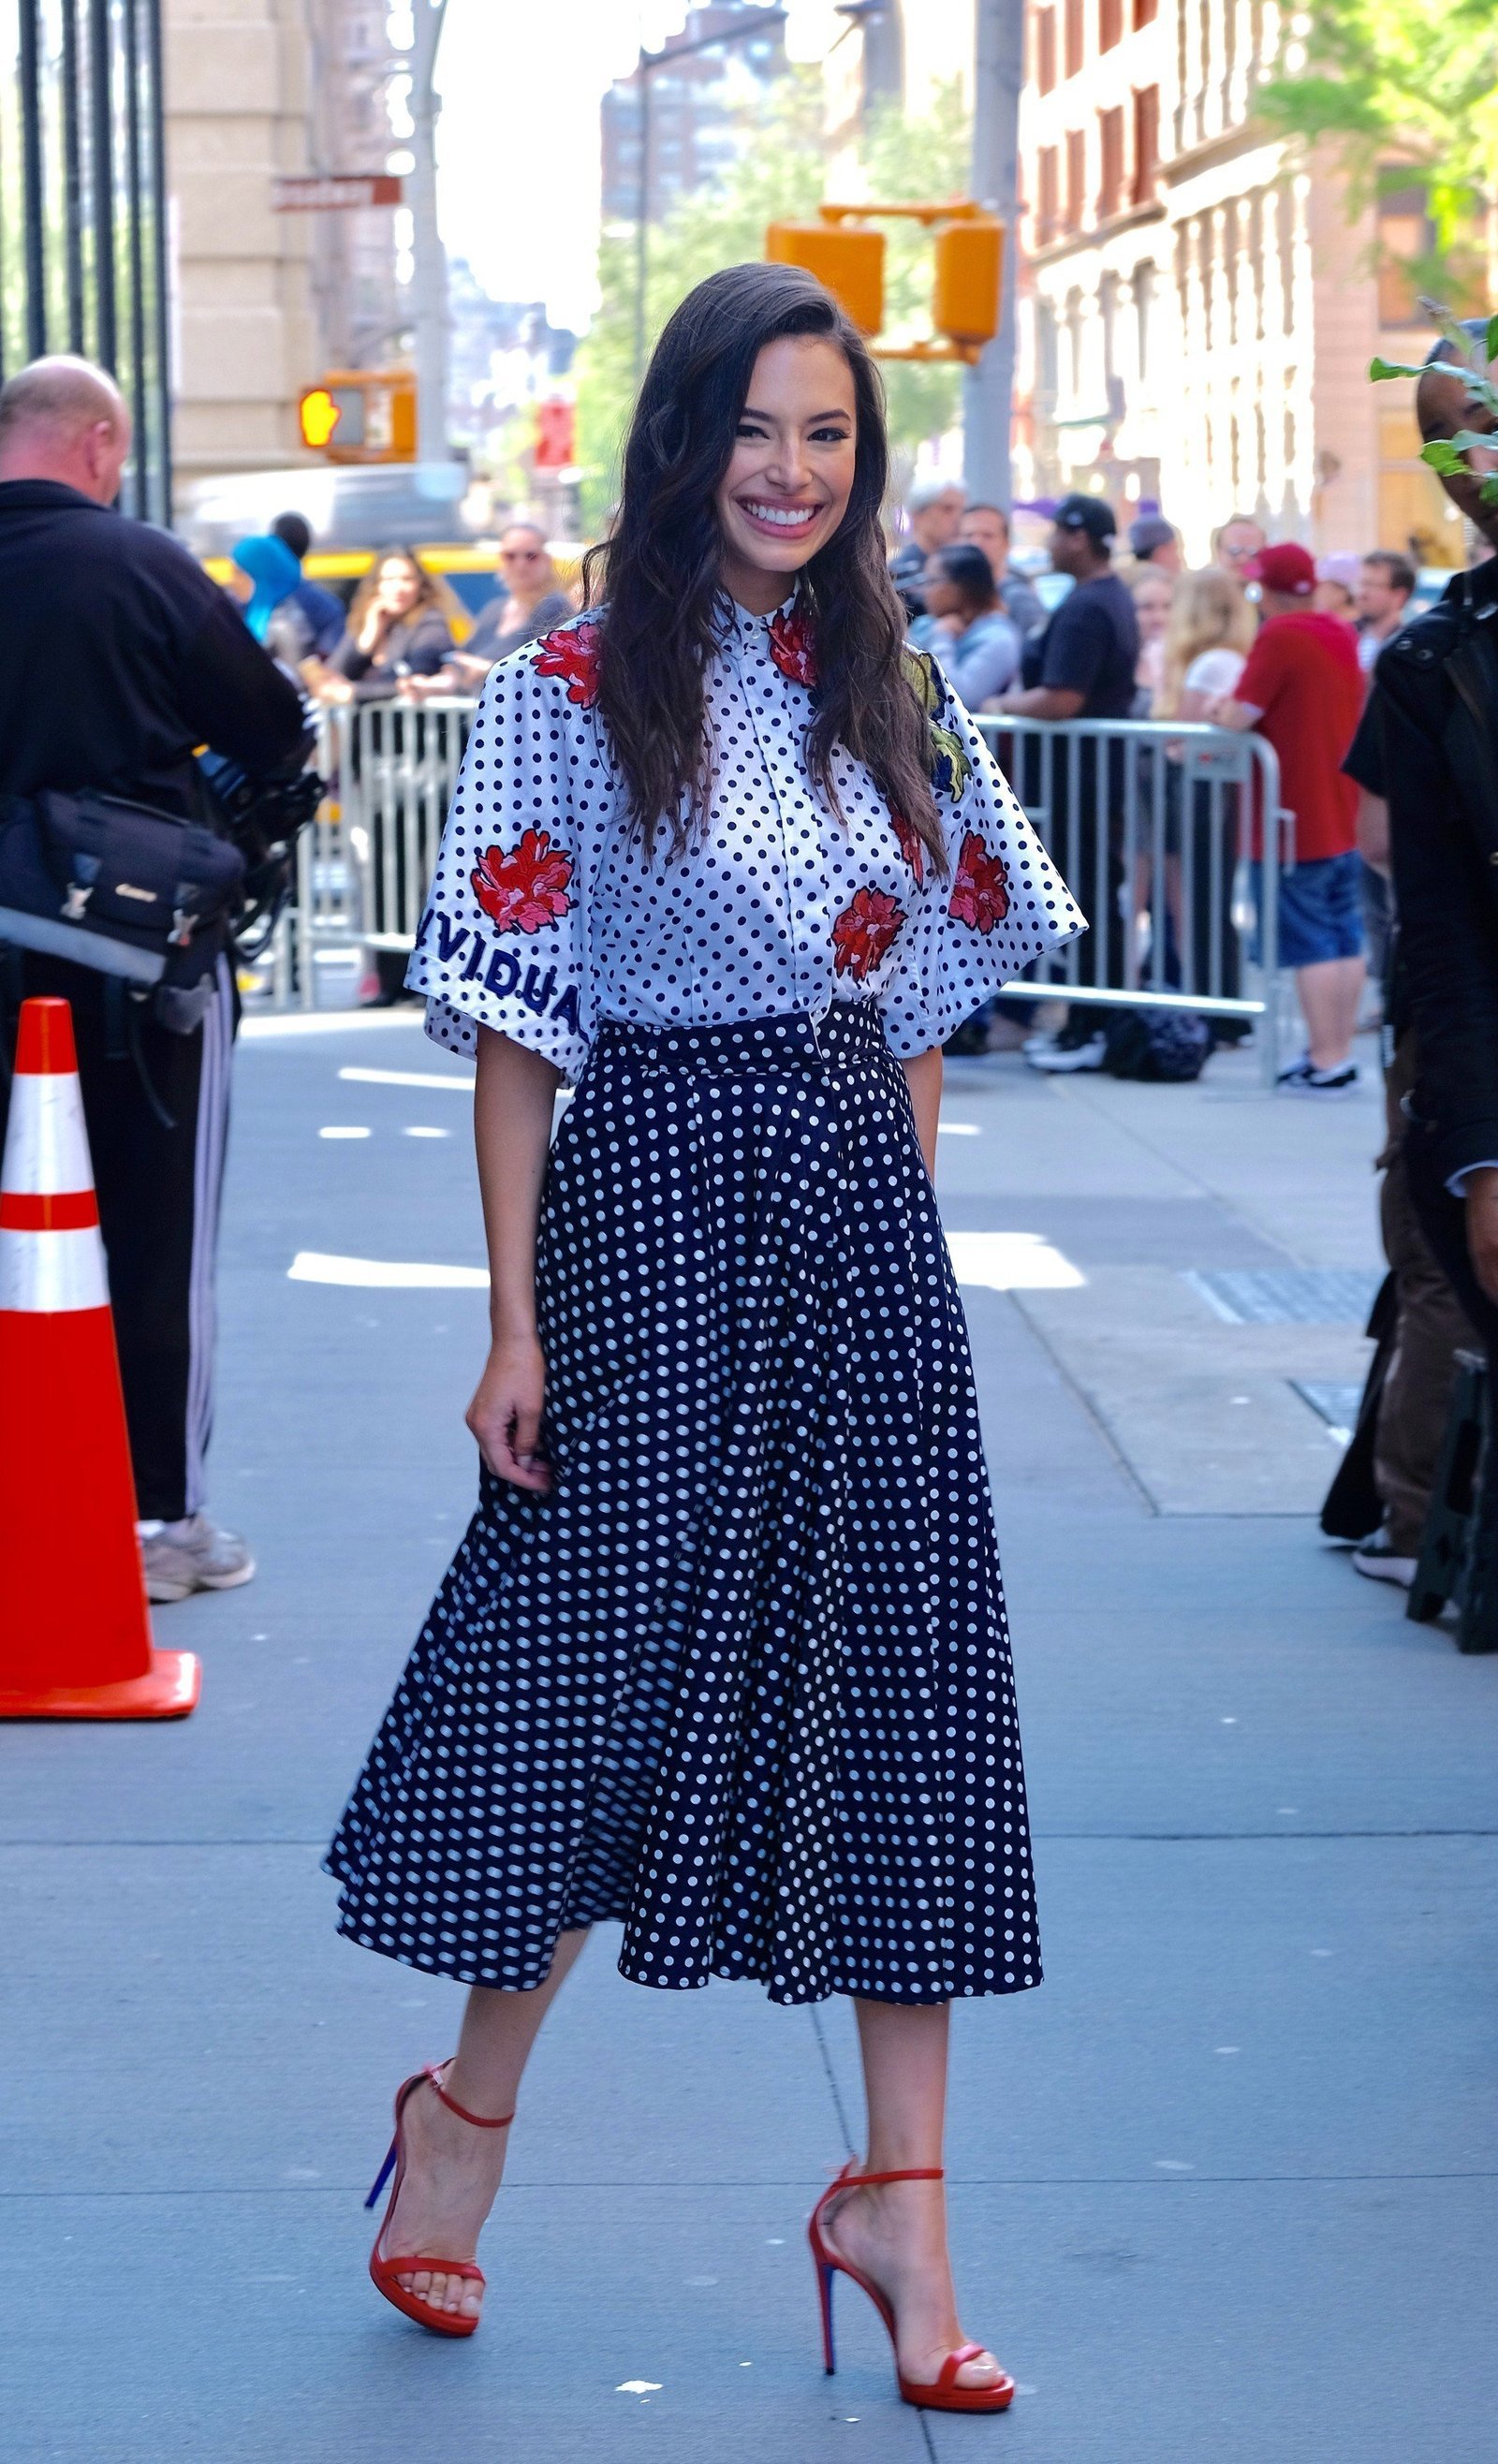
(981, 889)
(572, 651)
(913, 847)
(863, 935)
(792, 647)
(526, 889)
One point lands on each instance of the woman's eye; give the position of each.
(830, 436)
(747, 427)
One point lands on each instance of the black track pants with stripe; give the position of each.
(157, 1204)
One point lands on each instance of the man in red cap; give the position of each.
(1302, 691)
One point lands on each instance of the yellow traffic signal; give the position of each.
(964, 303)
(362, 415)
(842, 252)
(320, 415)
(848, 259)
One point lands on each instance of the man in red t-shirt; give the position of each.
(1303, 690)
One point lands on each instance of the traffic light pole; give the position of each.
(428, 259)
(988, 387)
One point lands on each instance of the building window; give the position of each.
(1110, 24)
(1076, 178)
(1145, 13)
(1111, 135)
(1073, 33)
(1047, 215)
(1146, 142)
(1143, 287)
(1046, 50)
(1108, 314)
(1049, 357)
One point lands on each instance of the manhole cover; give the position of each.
(1286, 1295)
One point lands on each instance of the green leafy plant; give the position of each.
(1448, 455)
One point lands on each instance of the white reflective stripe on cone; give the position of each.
(46, 1145)
(48, 1271)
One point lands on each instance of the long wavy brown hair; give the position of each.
(658, 573)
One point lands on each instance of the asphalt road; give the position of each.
(1224, 2189)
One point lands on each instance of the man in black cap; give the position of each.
(1154, 541)
(1082, 666)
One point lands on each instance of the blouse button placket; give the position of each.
(756, 673)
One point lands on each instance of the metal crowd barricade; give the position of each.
(364, 865)
(1150, 823)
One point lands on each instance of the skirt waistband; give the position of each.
(849, 1032)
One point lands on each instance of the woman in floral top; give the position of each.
(723, 1657)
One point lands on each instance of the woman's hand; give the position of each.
(378, 620)
(506, 1411)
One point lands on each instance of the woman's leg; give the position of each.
(897, 2234)
(452, 2171)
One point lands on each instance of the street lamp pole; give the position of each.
(988, 387)
(428, 257)
(753, 24)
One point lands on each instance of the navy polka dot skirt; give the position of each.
(741, 1679)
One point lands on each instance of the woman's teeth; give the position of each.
(782, 518)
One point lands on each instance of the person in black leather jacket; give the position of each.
(1428, 747)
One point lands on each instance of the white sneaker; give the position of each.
(193, 1555)
(1067, 1057)
(1378, 1561)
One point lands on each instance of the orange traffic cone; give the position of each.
(74, 1630)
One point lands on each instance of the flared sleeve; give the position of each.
(504, 941)
(1000, 904)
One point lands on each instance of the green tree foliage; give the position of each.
(780, 175)
(1400, 85)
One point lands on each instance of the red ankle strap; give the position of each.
(479, 2120)
(916, 2173)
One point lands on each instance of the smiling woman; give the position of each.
(756, 459)
(724, 1656)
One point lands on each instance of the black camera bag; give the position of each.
(119, 888)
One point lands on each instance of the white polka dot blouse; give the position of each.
(545, 915)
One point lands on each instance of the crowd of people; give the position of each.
(405, 635)
(1262, 638)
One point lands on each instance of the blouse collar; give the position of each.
(736, 624)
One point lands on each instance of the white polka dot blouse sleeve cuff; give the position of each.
(503, 941)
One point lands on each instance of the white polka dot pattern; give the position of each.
(742, 1680)
(545, 916)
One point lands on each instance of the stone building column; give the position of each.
(235, 89)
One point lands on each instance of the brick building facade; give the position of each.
(1197, 310)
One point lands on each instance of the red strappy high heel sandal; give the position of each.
(384, 2272)
(940, 2394)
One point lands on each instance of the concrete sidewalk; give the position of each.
(1224, 2189)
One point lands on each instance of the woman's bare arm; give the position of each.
(512, 1101)
(923, 1076)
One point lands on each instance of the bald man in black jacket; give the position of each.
(118, 657)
